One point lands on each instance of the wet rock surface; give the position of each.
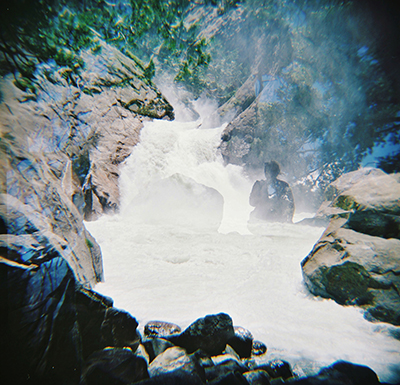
(60, 148)
(357, 259)
(51, 324)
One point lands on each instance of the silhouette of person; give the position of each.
(272, 197)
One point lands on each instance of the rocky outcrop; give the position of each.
(246, 119)
(60, 150)
(357, 259)
(60, 147)
(51, 326)
(83, 125)
(209, 334)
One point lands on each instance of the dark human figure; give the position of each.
(272, 197)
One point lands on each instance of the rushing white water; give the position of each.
(164, 261)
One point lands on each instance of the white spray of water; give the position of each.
(164, 258)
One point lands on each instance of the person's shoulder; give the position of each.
(282, 183)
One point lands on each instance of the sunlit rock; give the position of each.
(160, 329)
(92, 121)
(257, 377)
(259, 348)
(172, 359)
(357, 259)
(41, 221)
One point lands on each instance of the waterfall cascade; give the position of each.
(170, 256)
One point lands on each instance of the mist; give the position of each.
(181, 248)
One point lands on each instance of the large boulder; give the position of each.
(117, 366)
(357, 259)
(51, 325)
(179, 200)
(209, 334)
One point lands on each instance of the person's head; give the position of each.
(271, 169)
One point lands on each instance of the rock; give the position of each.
(217, 360)
(172, 359)
(236, 138)
(277, 369)
(259, 348)
(91, 308)
(357, 374)
(49, 220)
(341, 373)
(176, 377)
(117, 366)
(224, 368)
(119, 329)
(156, 346)
(83, 129)
(50, 323)
(179, 200)
(141, 352)
(202, 358)
(348, 180)
(242, 342)
(356, 260)
(38, 317)
(232, 378)
(209, 334)
(160, 329)
(257, 377)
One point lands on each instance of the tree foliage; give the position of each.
(334, 62)
(337, 96)
(36, 31)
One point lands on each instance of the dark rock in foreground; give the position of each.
(117, 366)
(209, 334)
(50, 325)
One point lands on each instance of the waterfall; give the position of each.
(168, 149)
(180, 249)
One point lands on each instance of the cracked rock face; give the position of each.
(60, 148)
(357, 259)
(60, 151)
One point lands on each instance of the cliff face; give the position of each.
(60, 147)
(60, 151)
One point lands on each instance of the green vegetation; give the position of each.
(33, 32)
(89, 243)
(338, 90)
(333, 63)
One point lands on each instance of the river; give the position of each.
(166, 257)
